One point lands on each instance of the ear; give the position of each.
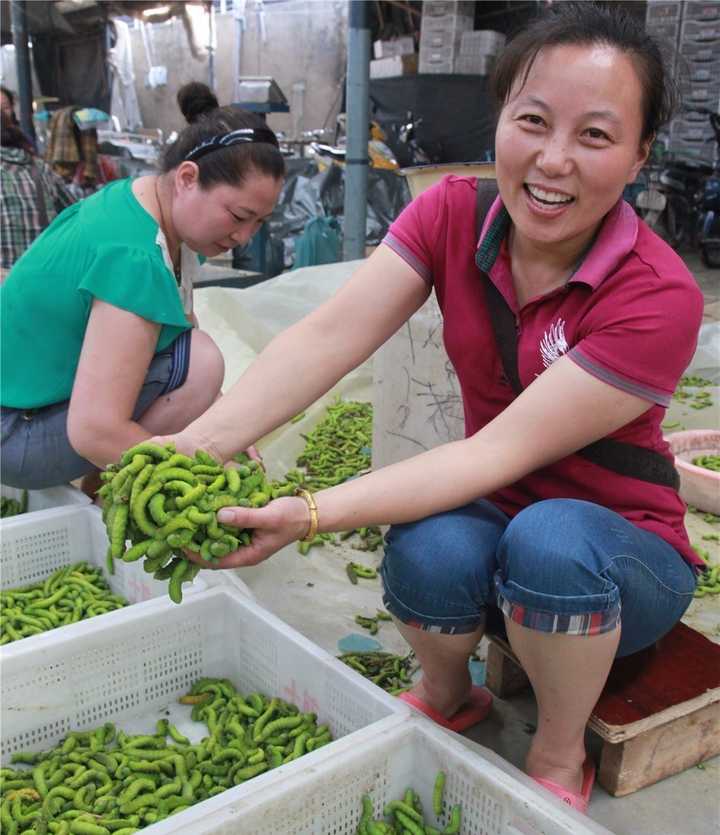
(642, 157)
(187, 176)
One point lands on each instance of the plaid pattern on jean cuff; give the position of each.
(589, 623)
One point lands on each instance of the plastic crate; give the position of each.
(698, 10)
(51, 497)
(701, 31)
(130, 666)
(437, 60)
(697, 54)
(664, 12)
(496, 798)
(474, 64)
(667, 32)
(440, 8)
(35, 545)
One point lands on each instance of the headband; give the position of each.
(235, 137)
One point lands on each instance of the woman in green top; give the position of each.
(98, 351)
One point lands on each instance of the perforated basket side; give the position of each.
(61, 496)
(326, 800)
(131, 663)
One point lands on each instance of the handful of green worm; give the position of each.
(105, 781)
(70, 594)
(406, 817)
(708, 462)
(164, 502)
(13, 507)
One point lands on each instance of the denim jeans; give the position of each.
(36, 451)
(560, 565)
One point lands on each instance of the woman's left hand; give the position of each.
(279, 523)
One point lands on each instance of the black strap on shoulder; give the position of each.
(618, 457)
(39, 196)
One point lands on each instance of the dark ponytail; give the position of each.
(230, 164)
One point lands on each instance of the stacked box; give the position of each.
(397, 46)
(394, 66)
(441, 29)
(478, 51)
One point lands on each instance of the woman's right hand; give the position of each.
(187, 443)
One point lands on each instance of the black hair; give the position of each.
(10, 95)
(229, 165)
(587, 23)
(12, 136)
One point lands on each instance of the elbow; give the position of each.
(87, 437)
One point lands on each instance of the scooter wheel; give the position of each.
(710, 255)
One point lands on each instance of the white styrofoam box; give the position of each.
(496, 798)
(437, 60)
(474, 64)
(702, 10)
(130, 666)
(393, 67)
(439, 39)
(481, 42)
(440, 8)
(700, 31)
(444, 31)
(396, 46)
(60, 496)
(33, 547)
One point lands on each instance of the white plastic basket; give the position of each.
(496, 798)
(34, 546)
(130, 666)
(39, 500)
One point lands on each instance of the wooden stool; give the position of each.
(658, 714)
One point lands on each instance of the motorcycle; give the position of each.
(681, 200)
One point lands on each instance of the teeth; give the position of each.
(548, 196)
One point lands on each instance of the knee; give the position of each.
(207, 366)
(548, 546)
(437, 553)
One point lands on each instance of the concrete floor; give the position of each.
(313, 595)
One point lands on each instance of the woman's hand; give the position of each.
(277, 524)
(188, 443)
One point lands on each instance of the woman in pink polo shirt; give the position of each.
(569, 324)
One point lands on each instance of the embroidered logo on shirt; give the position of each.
(553, 343)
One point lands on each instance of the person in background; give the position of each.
(569, 323)
(32, 196)
(7, 107)
(97, 348)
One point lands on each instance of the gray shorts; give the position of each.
(34, 445)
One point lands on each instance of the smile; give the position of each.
(548, 198)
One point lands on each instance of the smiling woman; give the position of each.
(568, 323)
(113, 356)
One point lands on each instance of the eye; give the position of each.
(596, 133)
(532, 118)
(236, 218)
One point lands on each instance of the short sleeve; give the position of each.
(413, 235)
(641, 336)
(135, 281)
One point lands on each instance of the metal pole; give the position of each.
(356, 161)
(211, 49)
(22, 63)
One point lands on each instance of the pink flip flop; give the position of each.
(473, 711)
(576, 801)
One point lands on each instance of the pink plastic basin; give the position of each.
(699, 486)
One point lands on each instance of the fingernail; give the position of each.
(225, 516)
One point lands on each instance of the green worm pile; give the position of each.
(708, 581)
(105, 781)
(709, 462)
(72, 593)
(13, 507)
(695, 399)
(406, 817)
(393, 673)
(164, 502)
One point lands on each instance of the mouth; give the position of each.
(547, 200)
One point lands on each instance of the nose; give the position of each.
(241, 236)
(554, 158)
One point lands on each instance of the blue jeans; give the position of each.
(560, 565)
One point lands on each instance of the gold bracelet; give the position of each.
(312, 507)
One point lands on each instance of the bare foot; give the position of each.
(444, 699)
(570, 776)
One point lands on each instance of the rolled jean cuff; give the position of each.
(587, 623)
(445, 626)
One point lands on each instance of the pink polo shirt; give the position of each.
(629, 316)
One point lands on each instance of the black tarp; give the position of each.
(458, 119)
